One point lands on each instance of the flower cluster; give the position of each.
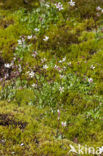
(59, 6)
(92, 67)
(29, 37)
(45, 66)
(99, 11)
(34, 54)
(63, 60)
(61, 89)
(72, 3)
(31, 74)
(8, 65)
(36, 30)
(90, 80)
(46, 38)
(64, 124)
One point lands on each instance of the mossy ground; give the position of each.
(65, 72)
(9, 4)
(36, 138)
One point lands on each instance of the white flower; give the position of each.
(72, 3)
(36, 29)
(62, 76)
(58, 118)
(43, 60)
(102, 11)
(92, 67)
(19, 42)
(101, 150)
(47, 5)
(34, 54)
(7, 65)
(63, 60)
(3, 141)
(29, 37)
(64, 67)
(90, 80)
(45, 66)
(59, 6)
(58, 111)
(98, 8)
(31, 74)
(14, 58)
(46, 38)
(64, 124)
(22, 144)
(60, 61)
(20, 69)
(61, 89)
(34, 85)
(56, 67)
(69, 64)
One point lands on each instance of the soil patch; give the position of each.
(8, 120)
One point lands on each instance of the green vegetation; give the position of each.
(51, 89)
(9, 4)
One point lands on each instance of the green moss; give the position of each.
(24, 96)
(36, 137)
(62, 66)
(39, 137)
(9, 4)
